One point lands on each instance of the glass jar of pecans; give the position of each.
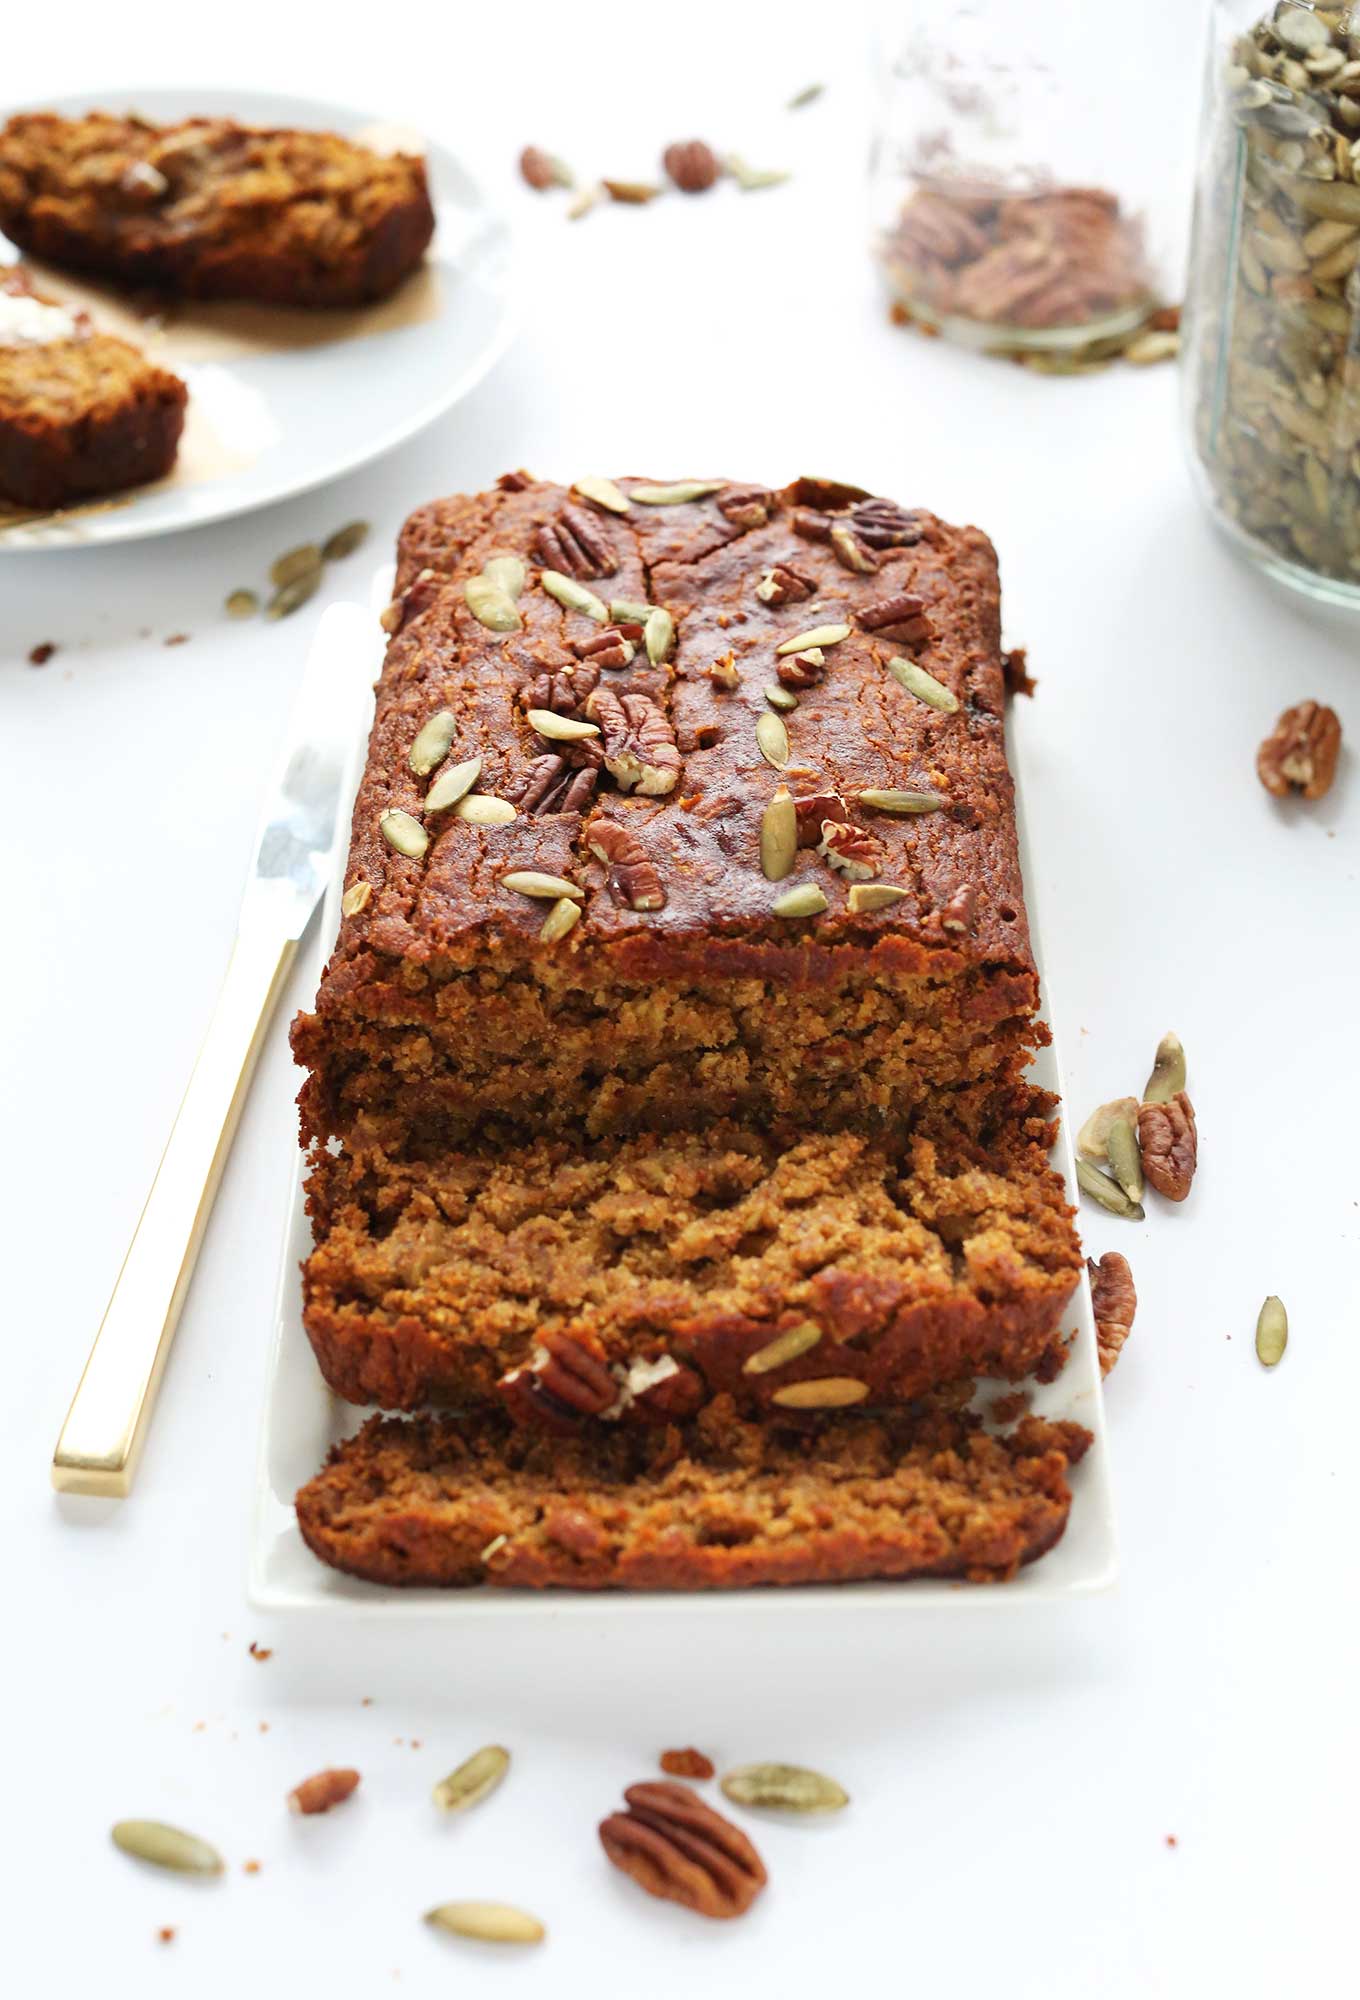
(1272, 334)
(1011, 176)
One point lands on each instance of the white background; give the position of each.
(1015, 1772)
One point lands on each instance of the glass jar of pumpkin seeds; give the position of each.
(1021, 172)
(1272, 326)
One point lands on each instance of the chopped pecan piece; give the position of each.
(811, 525)
(416, 597)
(515, 482)
(901, 616)
(813, 810)
(747, 506)
(561, 1383)
(563, 691)
(858, 853)
(850, 551)
(576, 544)
(639, 744)
(1015, 671)
(782, 584)
(1114, 1301)
(686, 1764)
(613, 647)
(1169, 1142)
(558, 783)
(723, 673)
(691, 164)
(1301, 751)
(676, 1847)
(958, 913)
(830, 494)
(802, 670)
(318, 1794)
(885, 525)
(633, 878)
(537, 169)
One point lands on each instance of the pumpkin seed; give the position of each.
(493, 1923)
(628, 611)
(484, 809)
(902, 802)
(828, 1392)
(875, 895)
(1168, 1072)
(166, 1847)
(242, 604)
(1107, 1192)
(490, 605)
(432, 743)
(849, 550)
(477, 1777)
(561, 728)
(450, 785)
(573, 595)
(773, 739)
(1094, 1134)
(924, 686)
(603, 492)
(529, 882)
(635, 192)
(785, 1347)
(1154, 345)
(806, 900)
(808, 95)
(782, 699)
(345, 541)
(561, 918)
(778, 836)
(582, 203)
(404, 832)
(819, 635)
(1272, 1332)
(784, 1788)
(506, 572)
(1126, 1160)
(356, 898)
(751, 179)
(292, 596)
(658, 635)
(675, 496)
(295, 563)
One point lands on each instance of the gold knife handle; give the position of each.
(106, 1425)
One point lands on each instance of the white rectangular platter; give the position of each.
(302, 1419)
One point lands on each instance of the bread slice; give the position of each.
(82, 413)
(210, 209)
(717, 1506)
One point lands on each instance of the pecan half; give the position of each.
(1169, 1142)
(558, 783)
(885, 525)
(812, 811)
(561, 1383)
(901, 616)
(564, 690)
(1301, 751)
(747, 506)
(676, 1847)
(613, 647)
(782, 584)
(802, 670)
(691, 164)
(811, 525)
(576, 544)
(515, 482)
(958, 913)
(633, 878)
(639, 743)
(1115, 1301)
(858, 853)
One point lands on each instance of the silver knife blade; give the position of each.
(295, 839)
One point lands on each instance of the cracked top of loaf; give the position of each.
(613, 678)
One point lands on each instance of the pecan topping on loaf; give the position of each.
(811, 525)
(858, 853)
(958, 913)
(676, 1847)
(561, 1383)
(782, 584)
(639, 743)
(563, 691)
(558, 783)
(885, 525)
(901, 616)
(576, 543)
(614, 647)
(802, 670)
(813, 811)
(633, 878)
(747, 506)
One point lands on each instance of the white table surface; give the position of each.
(1016, 1775)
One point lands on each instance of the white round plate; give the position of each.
(283, 400)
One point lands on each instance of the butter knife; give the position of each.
(107, 1423)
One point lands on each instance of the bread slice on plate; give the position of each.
(210, 209)
(82, 413)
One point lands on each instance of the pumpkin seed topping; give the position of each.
(1168, 1071)
(295, 563)
(629, 611)
(604, 493)
(1107, 1192)
(404, 832)
(506, 572)
(658, 635)
(785, 1347)
(166, 1847)
(778, 836)
(345, 541)
(806, 900)
(242, 604)
(924, 686)
(784, 1788)
(561, 918)
(561, 728)
(485, 809)
(432, 743)
(875, 895)
(1272, 1332)
(492, 1923)
(782, 699)
(819, 635)
(490, 605)
(475, 1779)
(902, 802)
(773, 739)
(529, 882)
(827, 1392)
(355, 898)
(573, 595)
(678, 495)
(450, 785)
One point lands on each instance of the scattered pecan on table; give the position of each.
(676, 1847)
(1169, 1143)
(692, 165)
(1114, 1301)
(1299, 755)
